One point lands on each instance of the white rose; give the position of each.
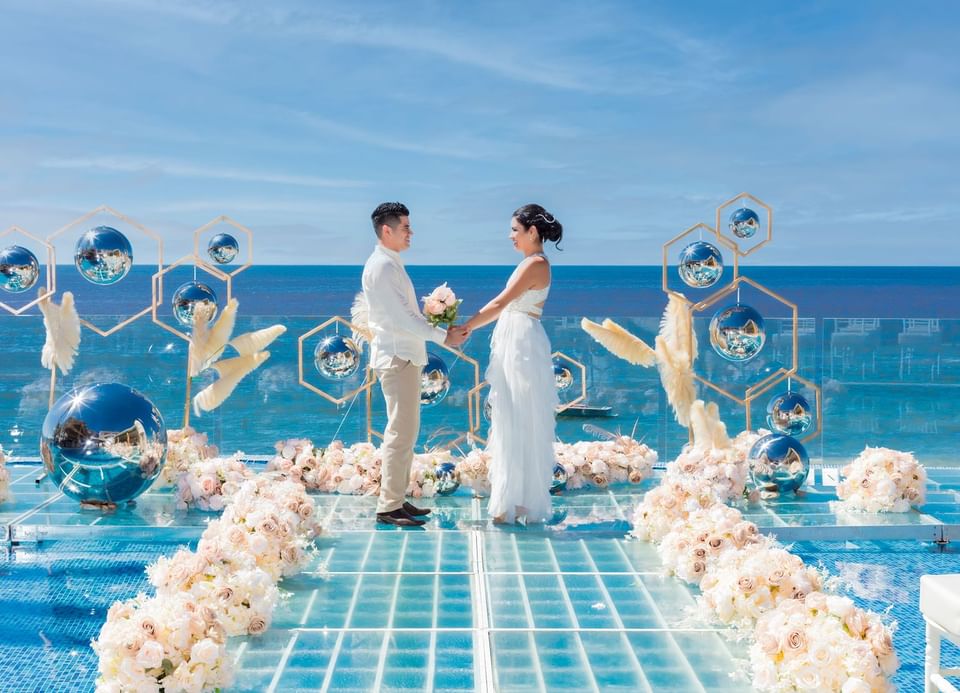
(206, 652)
(854, 685)
(150, 655)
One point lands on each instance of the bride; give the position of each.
(523, 396)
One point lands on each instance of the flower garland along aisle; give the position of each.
(184, 447)
(882, 480)
(176, 639)
(4, 477)
(356, 469)
(802, 639)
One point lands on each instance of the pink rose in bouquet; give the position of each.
(440, 307)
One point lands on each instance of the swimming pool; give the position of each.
(461, 605)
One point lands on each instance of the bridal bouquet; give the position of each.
(4, 478)
(440, 307)
(822, 643)
(167, 643)
(882, 480)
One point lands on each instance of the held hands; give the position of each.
(456, 335)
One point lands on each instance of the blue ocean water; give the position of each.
(882, 343)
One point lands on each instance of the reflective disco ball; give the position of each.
(223, 248)
(487, 410)
(191, 298)
(701, 265)
(434, 381)
(103, 443)
(559, 482)
(789, 413)
(337, 357)
(744, 223)
(448, 481)
(103, 255)
(736, 332)
(779, 463)
(19, 269)
(562, 375)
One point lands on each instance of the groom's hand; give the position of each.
(455, 336)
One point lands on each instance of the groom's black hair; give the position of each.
(388, 213)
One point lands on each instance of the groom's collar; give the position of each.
(390, 253)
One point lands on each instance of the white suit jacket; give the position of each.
(398, 327)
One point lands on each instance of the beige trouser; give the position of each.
(400, 383)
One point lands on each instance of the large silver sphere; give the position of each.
(103, 443)
(103, 255)
(488, 410)
(737, 333)
(19, 269)
(193, 298)
(223, 248)
(336, 357)
(559, 482)
(778, 463)
(448, 480)
(434, 381)
(789, 413)
(562, 375)
(744, 223)
(701, 265)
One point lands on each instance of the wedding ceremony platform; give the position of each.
(461, 604)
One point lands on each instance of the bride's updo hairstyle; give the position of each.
(548, 228)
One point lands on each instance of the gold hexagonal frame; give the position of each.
(757, 392)
(156, 286)
(51, 266)
(582, 397)
(696, 228)
(777, 375)
(475, 406)
(464, 435)
(742, 248)
(140, 227)
(222, 219)
(369, 377)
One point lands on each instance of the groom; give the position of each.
(398, 353)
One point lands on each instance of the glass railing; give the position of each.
(887, 382)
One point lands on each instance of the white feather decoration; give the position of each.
(206, 344)
(676, 374)
(700, 426)
(63, 333)
(620, 342)
(231, 371)
(252, 342)
(360, 319)
(721, 440)
(676, 326)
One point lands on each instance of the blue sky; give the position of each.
(630, 121)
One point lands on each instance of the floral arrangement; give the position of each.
(242, 595)
(4, 478)
(743, 584)
(670, 502)
(184, 447)
(694, 545)
(440, 307)
(754, 583)
(174, 641)
(600, 463)
(882, 480)
(474, 471)
(207, 483)
(168, 642)
(822, 643)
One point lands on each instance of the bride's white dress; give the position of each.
(523, 399)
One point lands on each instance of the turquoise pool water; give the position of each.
(460, 605)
